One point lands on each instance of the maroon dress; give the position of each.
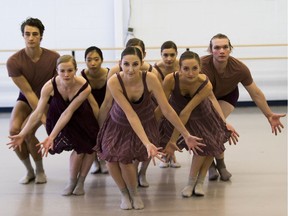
(116, 141)
(204, 122)
(80, 132)
(98, 94)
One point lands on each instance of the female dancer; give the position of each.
(71, 122)
(190, 94)
(130, 130)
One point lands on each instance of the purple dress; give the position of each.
(204, 122)
(98, 94)
(80, 132)
(116, 141)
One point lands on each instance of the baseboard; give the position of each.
(270, 103)
(5, 109)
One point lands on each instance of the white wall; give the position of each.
(195, 21)
(79, 24)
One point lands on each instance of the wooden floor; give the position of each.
(258, 186)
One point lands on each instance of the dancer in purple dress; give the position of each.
(145, 66)
(71, 122)
(168, 64)
(128, 126)
(96, 76)
(191, 96)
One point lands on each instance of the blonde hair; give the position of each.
(66, 58)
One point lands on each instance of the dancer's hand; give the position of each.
(274, 121)
(234, 134)
(153, 152)
(45, 146)
(15, 141)
(194, 144)
(170, 149)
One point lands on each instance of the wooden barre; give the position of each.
(156, 60)
(153, 47)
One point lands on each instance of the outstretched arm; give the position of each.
(94, 105)
(35, 117)
(108, 100)
(105, 107)
(234, 134)
(258, 97)
(155, 86)
(168, 86)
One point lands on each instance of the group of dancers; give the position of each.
(126, 116)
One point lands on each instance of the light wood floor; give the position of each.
(258, 186)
